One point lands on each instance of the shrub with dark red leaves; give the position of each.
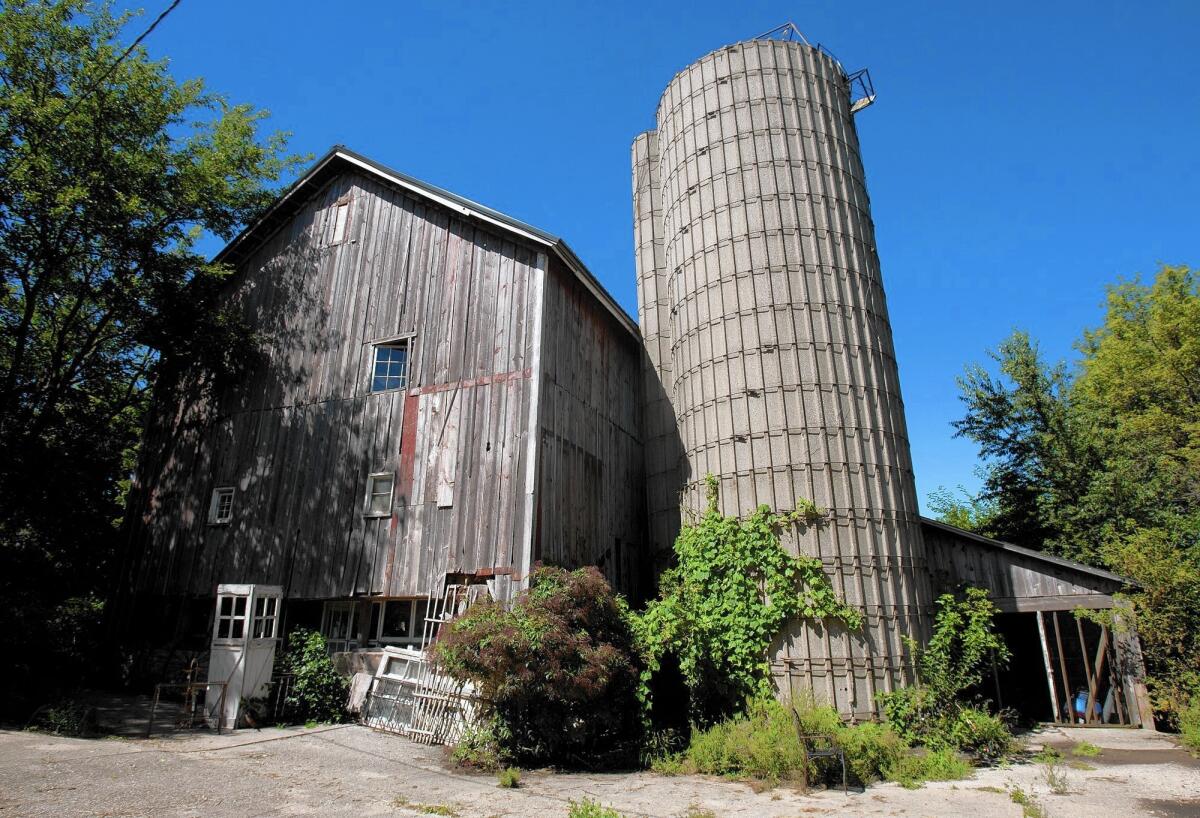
(559, 670)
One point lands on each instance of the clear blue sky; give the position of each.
(1020, 155)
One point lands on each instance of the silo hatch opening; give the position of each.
(862, 90)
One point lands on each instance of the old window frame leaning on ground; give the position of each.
(369, 509)
(395, 373)
(215, 517)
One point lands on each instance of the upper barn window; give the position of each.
(389, 368)
(341, 220)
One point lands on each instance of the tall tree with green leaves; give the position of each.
(1103, 463)
(1137, 396)
(111, 172)
(1020, 420)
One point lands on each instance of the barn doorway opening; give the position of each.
(1064, 669)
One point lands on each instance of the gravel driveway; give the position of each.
(350, 770)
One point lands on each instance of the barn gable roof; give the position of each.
(339, 159)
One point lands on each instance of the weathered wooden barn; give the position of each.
(442, 391)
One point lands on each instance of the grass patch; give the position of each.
(698, 812)
(1030, 806)
(587, 808)
(763, 748)
(1048, 755)
(1080, 765)
(400, 802)
(914, 769)
(1085, 749)
(509, 778)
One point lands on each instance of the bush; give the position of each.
(979, 732)
(65, 718)
(1189, 724)
(559, 670)
(477, 749)
(318, 692)
(761, 744)
(764, 745)
(873, 751)
(912, 770)
(964, 642)
(509, 778)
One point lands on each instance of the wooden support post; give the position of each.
(1049, 667)
(1087, 666)
(1101, 655)
(1062, 659)
(1114, 680)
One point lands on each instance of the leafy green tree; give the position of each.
(1020, 421)
(1103, 464)
(1138, 396)
(963, 510)
(111, 173)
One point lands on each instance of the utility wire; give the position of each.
(79, 100)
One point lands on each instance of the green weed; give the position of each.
(1030, 806)
(588, 808)
(509, 778)
(1085, 749)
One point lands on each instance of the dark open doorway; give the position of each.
(1063, 669)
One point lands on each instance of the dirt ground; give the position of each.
(351, 770)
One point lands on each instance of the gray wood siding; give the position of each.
(591, 497)
(299, 435)
(1016, 582)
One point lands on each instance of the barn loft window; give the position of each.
(341, 219)
(220, 510)
(379, 494)
(389, 369)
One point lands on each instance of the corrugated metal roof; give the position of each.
(340, 157)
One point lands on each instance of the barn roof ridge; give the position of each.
(289, 201)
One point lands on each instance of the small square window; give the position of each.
(379, 494)
(389, 369)
(220, 510)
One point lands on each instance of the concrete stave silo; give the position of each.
(764, 316)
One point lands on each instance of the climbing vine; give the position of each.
(731, 592)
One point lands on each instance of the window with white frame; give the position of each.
(403, 622)
(231, 617)
(220, 509)
(379, 494)
(339, 626)
(389, 366)
(266, 614)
